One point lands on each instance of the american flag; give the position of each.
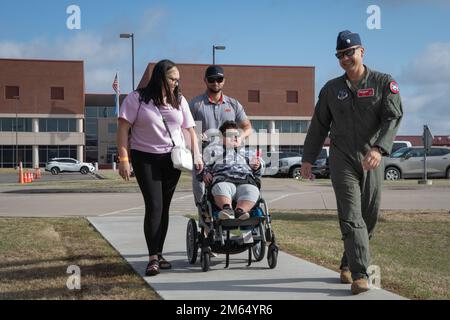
(116, 87)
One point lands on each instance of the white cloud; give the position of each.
(103, 53)
(101, 58)
(432, 66)
(427, 79)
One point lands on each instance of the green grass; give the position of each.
(412, 248)
(110, 182)
(35, 255)
(386, 183)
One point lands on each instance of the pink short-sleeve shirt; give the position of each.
(148, 133)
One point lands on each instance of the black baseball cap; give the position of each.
(214, 71)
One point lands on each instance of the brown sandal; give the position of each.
(163, 263)
(152, 268)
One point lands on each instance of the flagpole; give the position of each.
(117, 95)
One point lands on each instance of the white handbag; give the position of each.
(181, 155)
(182, 158)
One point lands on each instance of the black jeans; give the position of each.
(157, 179)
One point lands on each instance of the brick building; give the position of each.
(46, 113)
(41, 111)
(274, 97)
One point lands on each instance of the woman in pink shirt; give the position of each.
(150, 145)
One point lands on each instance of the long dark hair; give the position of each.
(158, 83)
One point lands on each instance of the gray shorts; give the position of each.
(242, 192)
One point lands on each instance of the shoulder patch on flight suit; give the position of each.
(342, 95)
(393, 86)
(369, 92)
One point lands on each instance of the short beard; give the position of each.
(214, 91)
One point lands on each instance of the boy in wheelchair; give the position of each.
(230, 175)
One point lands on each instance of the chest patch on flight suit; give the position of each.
(369, 92)
(342, 95)
(227, 110)
(393, 86)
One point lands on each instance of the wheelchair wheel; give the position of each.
(272, 256)
(259, 249)
(206, 260)
(192, 241)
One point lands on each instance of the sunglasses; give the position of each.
(212, 80)
(175, 80)
(347, 53)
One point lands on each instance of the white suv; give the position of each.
(57, 165)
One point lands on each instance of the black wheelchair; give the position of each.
(215, 235)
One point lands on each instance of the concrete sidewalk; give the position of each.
(292, 279)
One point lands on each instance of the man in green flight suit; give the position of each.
(361, 113)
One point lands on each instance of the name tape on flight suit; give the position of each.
(369, 92)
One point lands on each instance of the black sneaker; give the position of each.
(226, 214)
(241, 215)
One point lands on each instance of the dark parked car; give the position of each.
(321, 168)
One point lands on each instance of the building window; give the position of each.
(112, 128)
(8, 156)
(57, 125)
(100, 112)
(57, 93)
(63, 125)
(52, 125)
(292, 126)
(253, 95)
(91, 112)
(11, 92)
(291, 96)
(106, 112)
(258, 125)
(23, 125)
(9, 125)
(72, 125)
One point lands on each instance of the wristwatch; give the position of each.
(379, 149)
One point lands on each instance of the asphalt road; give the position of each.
(279, 193)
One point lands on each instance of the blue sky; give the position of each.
(413, 43)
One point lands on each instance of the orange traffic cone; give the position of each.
(31, 176)
(25, 177)
(39, 172)
(21, 180)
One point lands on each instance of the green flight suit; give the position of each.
(356, 119)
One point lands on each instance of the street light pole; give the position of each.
(132, 57)
(214, 52)
(127, 36)
(17, 129)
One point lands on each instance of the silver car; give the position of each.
(57, 165)
(290, 166)
(408, 163)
